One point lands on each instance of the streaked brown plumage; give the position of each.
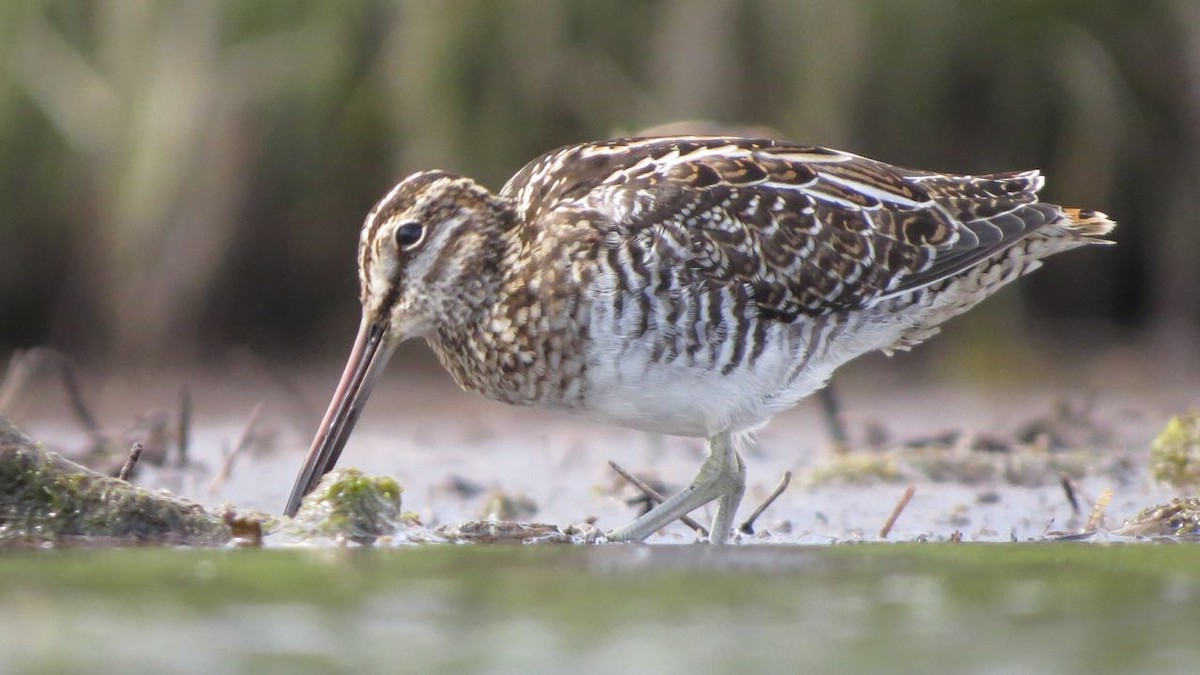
(685, 285)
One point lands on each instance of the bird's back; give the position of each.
(810, 230)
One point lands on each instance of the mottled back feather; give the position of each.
(808, 230)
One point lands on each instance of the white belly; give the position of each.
(640, 375)
(627, 387)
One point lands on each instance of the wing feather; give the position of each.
(809, 230)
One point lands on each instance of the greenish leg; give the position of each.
(721, 477)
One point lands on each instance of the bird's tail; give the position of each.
(1089, 225)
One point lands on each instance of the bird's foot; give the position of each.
(721, 478)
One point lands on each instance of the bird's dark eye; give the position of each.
(409, 235)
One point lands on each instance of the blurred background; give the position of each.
(178, 179)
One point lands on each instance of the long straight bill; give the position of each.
(367, 360)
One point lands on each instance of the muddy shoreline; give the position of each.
(1012, 463)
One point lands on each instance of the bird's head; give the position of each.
(428, 255)
(427, 247)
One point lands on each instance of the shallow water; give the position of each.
(970, 608)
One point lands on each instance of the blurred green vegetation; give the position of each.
(177, 177)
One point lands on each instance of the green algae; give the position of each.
(348, 504)
(1175, 453)
(1179, 518)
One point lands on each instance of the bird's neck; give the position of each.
(487, 267)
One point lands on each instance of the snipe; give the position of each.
(692, 286)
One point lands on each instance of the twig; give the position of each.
(32, 359)
(226, 471)
(748, 526)
(831, 411)
(71, 383)
(298, 408)
(25, 364)
(184, 427)
(1069, 488)
(904, 500)
(12, 383)
(135, 453)
(1097, 517)
(654, 494)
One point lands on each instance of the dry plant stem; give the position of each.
(1097, 518)
(135, 453)
(22, 368)
(226, 471)
(748, 526)
(70, 381)
(12, 383)
(904, 500)
(184, 427)
(297, 407)
(25, 364)
(658, 498)
(831, 410)
(1069, 488)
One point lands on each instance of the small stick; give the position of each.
(1069, 488)
(904, 500)
(831, 410)
(135, 453)
(74, 393)
(748, 526)
(184, 429)
(653, 494)
(1097, 517)
(297, 406)
(226, 471)
(12, 382)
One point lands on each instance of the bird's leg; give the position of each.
(722, 476)
(727, 504)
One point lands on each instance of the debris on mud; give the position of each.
(502, 505)
(1069, 425)
(1179, 518)
(247, 529)
(510, 532)
(461, 487)
(1175, 453)
(1027, 467)
(1041, 452)
(47, 498)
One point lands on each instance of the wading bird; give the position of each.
(684, 285)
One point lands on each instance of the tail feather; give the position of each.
(1090, 224)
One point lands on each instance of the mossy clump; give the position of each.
(1175, 454)
(858, 469)
(352, 505)
(1180, 518)
(46, 498)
